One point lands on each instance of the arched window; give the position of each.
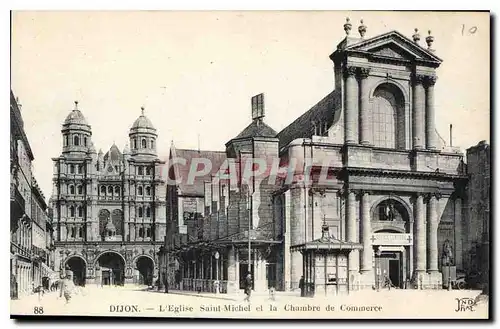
(148, 212)
(117, 190)
(139, 190)
(71, 211)
(152, 144)
(148, 190)
(71, 189)
(103, 190)
(135, 143)
(110, 190)
(80, 189)
(141, 232)
(72, 168)
(72, 232)
(144, 144)
(140, 170)
(80, 232)
(388, 117)
(66, 140)
(80, 169)
(148, 232)
(139, 212)
(80, 211)
(85, 141)
(76, 141)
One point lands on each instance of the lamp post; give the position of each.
(216, 256)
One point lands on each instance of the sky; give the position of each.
(195, 72)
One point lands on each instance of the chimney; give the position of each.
(258, 107)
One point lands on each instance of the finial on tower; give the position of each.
(362, 29)
(76, 105)
(429, 40)
(416, 36)
(347, 26)
(142, 110)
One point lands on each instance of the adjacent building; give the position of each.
(109, 212)
(363, 169)
(476, 236)
(30, 226)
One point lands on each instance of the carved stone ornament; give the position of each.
(350, 71)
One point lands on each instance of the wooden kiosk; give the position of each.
(326, 265)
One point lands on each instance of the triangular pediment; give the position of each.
(394, 45)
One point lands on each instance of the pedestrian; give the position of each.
(248, 287)
(301, 286)
(67, 286)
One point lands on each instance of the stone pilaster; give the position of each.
(366, 256)
(365, 119)
(351, 106)
(458, 233)
(420, 234)
(418, 111)
(351, 233)
(430, 122)
(432, 221)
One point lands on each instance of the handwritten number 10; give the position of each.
(471, 30)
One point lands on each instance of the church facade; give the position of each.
(368, 168)
(108, 209)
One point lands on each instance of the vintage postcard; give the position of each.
(250, 164)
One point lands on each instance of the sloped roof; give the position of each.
(400, 41)
(257, 128)
(181, 171)
(113, 154)
(302, 127)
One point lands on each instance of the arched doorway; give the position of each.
(77, 265)
(392, 242)
(111, 267)
(145, 267)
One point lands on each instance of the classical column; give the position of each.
(458, 232)
(365, 119)
(366, 256)
(351, 215)
(351, 108)
(352, 232)
(432, 221)
(430, 122)
(420, 234)
(418, 111)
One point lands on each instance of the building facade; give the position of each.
(109, 211)
(477, 233)
(366, 162)
(21, 156)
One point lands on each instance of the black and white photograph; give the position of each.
(250, 164)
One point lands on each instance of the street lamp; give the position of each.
(216, 256)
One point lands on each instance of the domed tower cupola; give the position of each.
(143, 137)
(76, 132)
